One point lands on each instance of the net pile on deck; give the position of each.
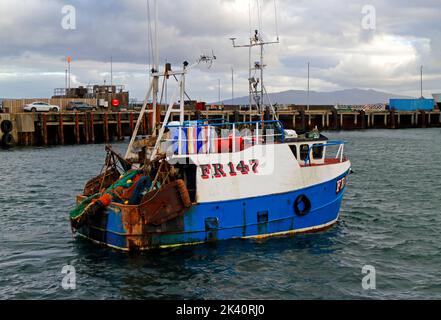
(128, 190)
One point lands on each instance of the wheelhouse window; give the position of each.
(293, 148)
(317, 152)
(304, 148)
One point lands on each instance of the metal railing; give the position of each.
(259, 135)
(340, 151)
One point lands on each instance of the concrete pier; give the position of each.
(99, 127)
(74, 128)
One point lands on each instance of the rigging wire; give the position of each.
(249, 18)
(156, 47)
(149, 40)
(150, 35)
(276, 20)
(259, 15)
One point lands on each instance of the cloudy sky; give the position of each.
(331, 34)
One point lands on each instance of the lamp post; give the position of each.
(69, 60)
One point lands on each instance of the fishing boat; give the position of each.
(203, 180)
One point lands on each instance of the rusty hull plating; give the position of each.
(131, 227)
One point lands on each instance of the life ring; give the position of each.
(7, 141)
(302, 199)
(6, 126)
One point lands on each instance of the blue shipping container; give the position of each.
(411, 104)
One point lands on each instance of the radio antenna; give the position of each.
(257, 90)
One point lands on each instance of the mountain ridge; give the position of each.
(352, 96)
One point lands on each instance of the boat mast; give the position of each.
(261, 79)
(152, 91)
(257, 90)
(155, 71)
(250, 88)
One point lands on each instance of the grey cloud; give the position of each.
(328, 33)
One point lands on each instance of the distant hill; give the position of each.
(348, 96)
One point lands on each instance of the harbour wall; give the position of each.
(43, 129)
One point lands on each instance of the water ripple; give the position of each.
(389, 219)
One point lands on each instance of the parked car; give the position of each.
(41, 107)
(80, 106)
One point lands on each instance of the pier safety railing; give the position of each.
(205, 136)
(339, 157)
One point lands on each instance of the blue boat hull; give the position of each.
(257, 217)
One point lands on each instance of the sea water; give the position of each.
(390, 222)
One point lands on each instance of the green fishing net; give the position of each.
(79, 209)
(126, 181)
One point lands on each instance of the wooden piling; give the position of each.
(60, 129)
(92, 128)
(45, 136)
(363, 119)
(77, 128)
(236, 116)
(302, 119)
(86, 127)
(392, 119)
(423, 119)
(119, 126)
(198, 115)
(144, 124)
(131, 122)
(106, 127)
(335, 119)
